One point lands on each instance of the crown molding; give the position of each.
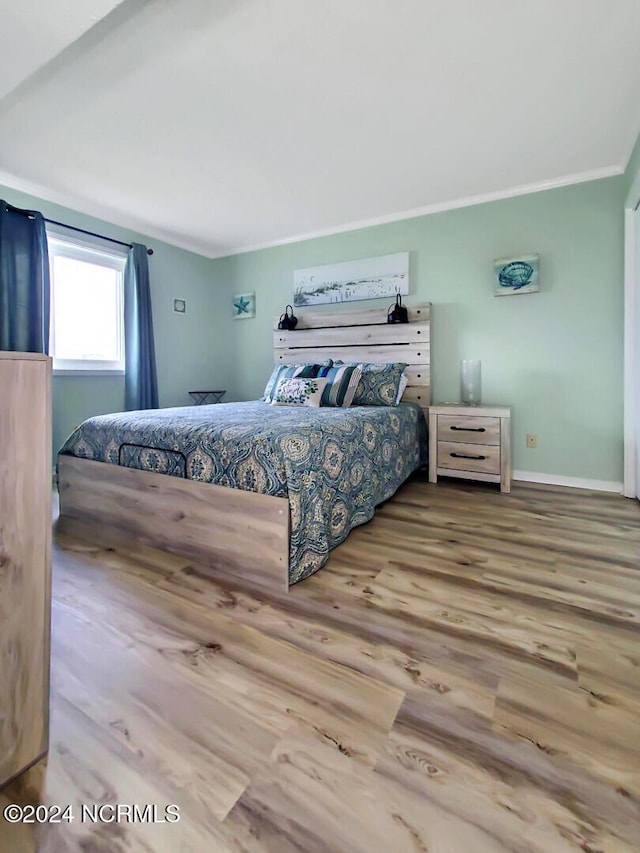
(469, 201)
(106, 214)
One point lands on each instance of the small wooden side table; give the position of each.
(472, 442)
(203, 398)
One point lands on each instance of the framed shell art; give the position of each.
(517, 275)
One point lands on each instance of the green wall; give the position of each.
(555, 356)
(192, 350)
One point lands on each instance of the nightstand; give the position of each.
(472, 442)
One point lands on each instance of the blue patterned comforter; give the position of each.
(335, 465)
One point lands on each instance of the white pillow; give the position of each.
(298, 392)
(401, 387)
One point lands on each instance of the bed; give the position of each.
(253, 490)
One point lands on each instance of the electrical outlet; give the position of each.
(532, 440)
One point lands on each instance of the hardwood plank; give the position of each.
(462, 675)
(277, 682)
(461, 686)
(568, 722)
(182, 516)
(420, 395)
(533, 817)
(523, 764)
(461, 517)
(609, 673)
(418, 375)
(131, 558)
(565, 589)
(213, 758)
(88, 767)
(402, 591)
(309, 319)
(392, 333)
(316, 799)
(25, 559)
(409, 353)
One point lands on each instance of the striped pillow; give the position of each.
(342, 381)
(288, 371)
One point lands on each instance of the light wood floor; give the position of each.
(463, 677)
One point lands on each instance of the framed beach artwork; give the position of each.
(517, 275)
(244, 306)
(371, 278)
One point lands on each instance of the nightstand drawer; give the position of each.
(459, 456)
(472, 430)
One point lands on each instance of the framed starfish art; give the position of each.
(244, 306)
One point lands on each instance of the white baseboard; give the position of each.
(571, 482)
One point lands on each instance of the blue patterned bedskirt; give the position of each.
(335, 465)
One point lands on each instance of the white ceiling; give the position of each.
(225, 124)
(26, 45)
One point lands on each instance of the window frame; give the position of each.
(86, 250)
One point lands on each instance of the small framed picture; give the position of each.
(244, 306)
(180, 306)
(517, 275)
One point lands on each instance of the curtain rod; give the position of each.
(79, 230)
(92, 234)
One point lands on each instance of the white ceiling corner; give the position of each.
(32, 32)
(222, 125)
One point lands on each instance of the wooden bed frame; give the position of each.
(243, 534)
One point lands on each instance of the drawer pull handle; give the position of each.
(468, 429)
(466, 456)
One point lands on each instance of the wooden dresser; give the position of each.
(473, 442)
(25, 559)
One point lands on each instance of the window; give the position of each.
(87, 302)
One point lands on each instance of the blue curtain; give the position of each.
(24, 281)
(141, 383)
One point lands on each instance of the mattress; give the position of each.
(334, 465)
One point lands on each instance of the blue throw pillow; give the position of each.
(379, 384)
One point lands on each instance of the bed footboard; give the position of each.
(237, 533)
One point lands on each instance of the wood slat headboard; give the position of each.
(363, 335)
